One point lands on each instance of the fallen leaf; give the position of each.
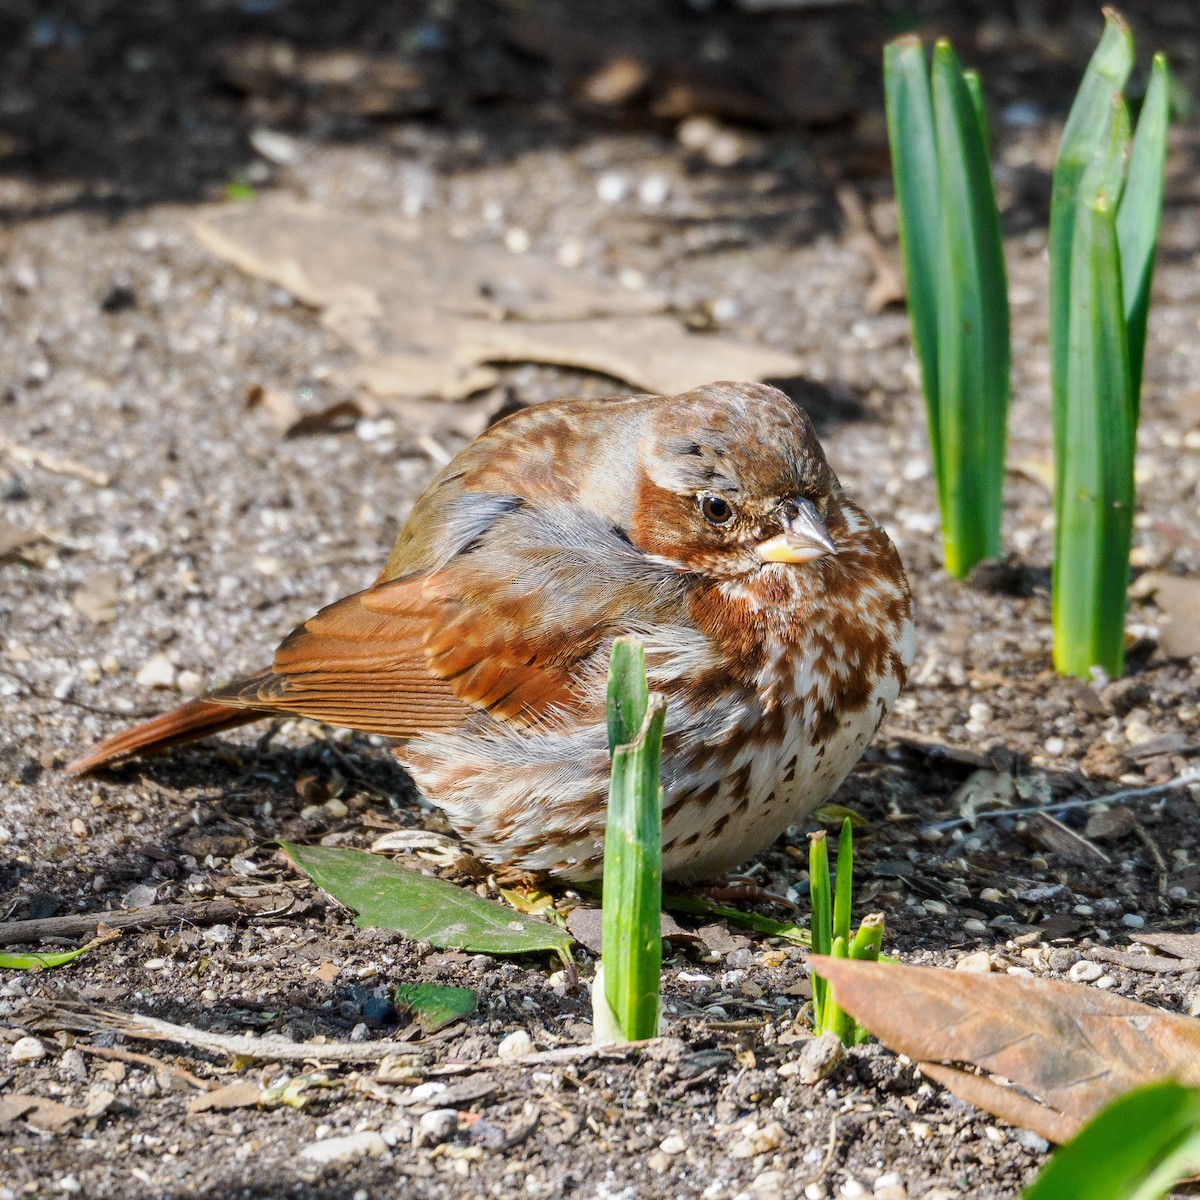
(281, 409)
(97, 597)
(47, 1115)
(1064, 1050)
(388, 896)
(1178, 598)
(434, 1005)
(584, 925)
(242, 1094)
(1179, 945)
(432, 316)
(14, 539)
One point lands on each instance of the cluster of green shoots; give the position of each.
(1105, 213)
(830, 929)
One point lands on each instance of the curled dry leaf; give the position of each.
(432, 316)
(1063, 1050)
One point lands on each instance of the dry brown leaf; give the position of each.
(1178, 598)
(243, 1094)
(14, 539)
(1179, 945)
(97, 598)
(47, 1115)
(289, 419)
(431, 316)
(1069, 1049)
(584, 925)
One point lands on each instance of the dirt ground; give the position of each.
(165, 523)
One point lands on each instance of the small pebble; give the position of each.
(1133, 921)
(979, 962)
(768, 1184)
(672, 1144)
(992, 895)
(515, 1045)
(157, 672)
(653, 191)
(818, 1057)
(1062, 959)
(852, 1189)
(612, 188)
(1107, 982)
(27, 1049)
(367, 1144)
(1054, 746)
(755, 1141)
(974, 925)
(436, 1126)
(1085, 972)
(70, 1185)
(516, 240)
(191, 683)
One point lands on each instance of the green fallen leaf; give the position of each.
(1137, 1148)
(434, 1005)
(36, 962)
(385, 895)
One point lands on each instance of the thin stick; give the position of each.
(147, 1060)
(31, 456)
(1183, 779)
(272, 1048)
(204, 912)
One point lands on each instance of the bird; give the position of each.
(774, 612)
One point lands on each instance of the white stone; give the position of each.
(612, 188)
(156, 672)
(27, 1049)
(436, 1126)
(1085, 972)
(368, 1144)
(516, 1045)
(672, 1144)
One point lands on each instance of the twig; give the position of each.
(78, 1015)
(52, 463)
(155, 916)
(1157, 963)
(1183, 779)
(147, 1060)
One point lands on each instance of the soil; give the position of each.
(165, 518)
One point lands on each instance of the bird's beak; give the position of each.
(805, 537)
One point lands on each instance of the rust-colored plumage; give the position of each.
(774, 611)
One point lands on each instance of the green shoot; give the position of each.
(957, 287)
(1137, 1148)
(1104, 220)
(626, 992)
(830, 930)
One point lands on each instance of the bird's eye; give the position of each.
(716, 511)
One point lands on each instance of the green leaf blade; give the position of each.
(385, 895)
(1085, 129)
(632, 902)
(973, 325)
(1140, 215)
(914, 171)
(1135, 1149)
(434, 1005)
(628, 694)
(1096, 496)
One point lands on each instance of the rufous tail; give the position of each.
(196, 719)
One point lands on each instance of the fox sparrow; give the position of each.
(774, 611)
